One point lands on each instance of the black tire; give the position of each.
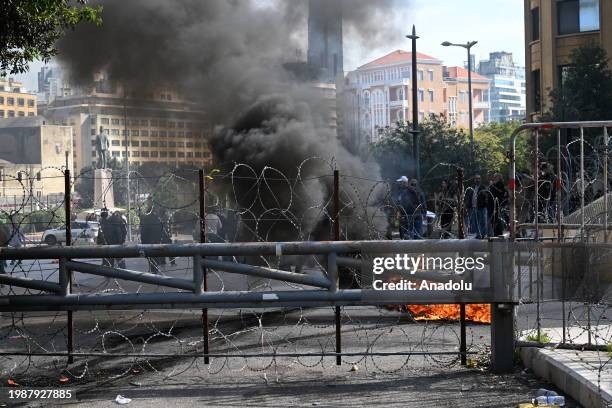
(50, 240)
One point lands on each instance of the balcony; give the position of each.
(481, 105)
(399, 104)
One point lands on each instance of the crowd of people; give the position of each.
(485, 206)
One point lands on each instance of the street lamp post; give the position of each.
(416, 155)
(468, 46)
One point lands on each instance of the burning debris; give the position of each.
(478, 313)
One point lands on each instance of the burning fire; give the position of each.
(479, 313)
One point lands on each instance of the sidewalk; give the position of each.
(586, 376)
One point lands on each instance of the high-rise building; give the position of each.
(51, 84)
(378, 94)
(507, 94)
(15, 101)
(553, 28)
(160, 128)
(325, 56)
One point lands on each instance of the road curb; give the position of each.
(568, 375)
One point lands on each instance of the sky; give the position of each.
(497, 25)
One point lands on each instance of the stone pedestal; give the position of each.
(103, 189)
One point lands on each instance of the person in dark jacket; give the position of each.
(476, 203)
(152, 232)
(409, 203)
(114, 232)
(499, 195)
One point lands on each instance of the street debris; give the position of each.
(121, 400)
(354, 368)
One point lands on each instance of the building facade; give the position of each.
(15, 101)
(32, 156)
(508, 88)
(160, 128)
(379, 94)
(553, 28)
(51, 84)
(325, 49)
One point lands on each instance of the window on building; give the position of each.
(30, 103)
(172, 154)
(462, 96)
(575, 16)
(135, 133)
(155, 154)
(154, 143)
(189, 144)
(136, 153)
(144, 154)
(20, 102)
(114, 121)
(181, 154)
(144, 133)
(198, 145)
(198, 154)
(135, 143)
(113, 142)
(93, 132)
(163, 133)
(31, 114)
(125, 154)
(180, 125)
(144, 122)
(431, 95)
(11, 114)
(124, 132)
(163, 143)
(171, 124)
(21, 113)
(144, 143)
(171, 144)
(1, 113)
(1, 100)
(154, 122)
(420, 75)
(10, 101)
(421, 95)
(104, 121)
(430, 74)
(535, 24)
(180, 144)
(421, 116)
(190, 154)
(163, 154)
(180, 134)
(154, 133)
(189, 134)
(537, 96)
(115, 132)
(116, 154)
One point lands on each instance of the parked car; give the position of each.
(83, 232)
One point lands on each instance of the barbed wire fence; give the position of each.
(249, 204)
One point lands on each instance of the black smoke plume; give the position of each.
(228, 55)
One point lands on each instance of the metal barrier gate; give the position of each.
(494, 284)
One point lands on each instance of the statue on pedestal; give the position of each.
(102, 146)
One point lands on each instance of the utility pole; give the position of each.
(416, 155)
(127, 163)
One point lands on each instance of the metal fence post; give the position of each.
(204, 286)
(337, 238)
(68, 274)
(461, 235)
(502, 314)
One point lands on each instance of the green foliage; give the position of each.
(30, 29)
(493, 143)
(609, 349)
(544, 338)
(586, 93)
(443, 148)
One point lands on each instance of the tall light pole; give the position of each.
(468, 46)
(416, 155)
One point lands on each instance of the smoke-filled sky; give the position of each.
(496, 28)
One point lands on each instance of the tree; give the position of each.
(586, 89)
(29, 29)
(444, 148)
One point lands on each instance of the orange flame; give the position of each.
(478, 313)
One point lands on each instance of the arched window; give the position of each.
(400, 115)
(366, 99)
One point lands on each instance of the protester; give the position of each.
(17, 241)
(5, 238)
(409, 203)
(445, 204)
(152, 232)
(476, 203)
(499, 194)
